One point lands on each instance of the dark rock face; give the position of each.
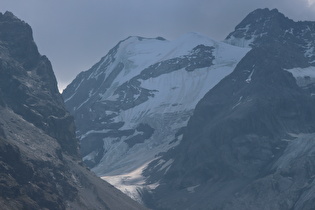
(39, 161)
(17, 38)
(249, 142)
(28, 83)
(34, 184)
(265, 27)
(146, 131)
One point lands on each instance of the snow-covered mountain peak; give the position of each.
(135, 54)
(132, 105)
(160, 48)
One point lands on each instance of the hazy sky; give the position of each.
(75, 34)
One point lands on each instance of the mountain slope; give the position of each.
(133, 104)
(39, 161)
(249, 143)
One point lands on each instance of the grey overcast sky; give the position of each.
(75, 34)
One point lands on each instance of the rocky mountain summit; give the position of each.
(40, 165)
(250, 141)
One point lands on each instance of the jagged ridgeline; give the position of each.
(199, 124)
(250, 141)
(39, 163)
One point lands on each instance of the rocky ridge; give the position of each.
(39, 161)
(249, 143)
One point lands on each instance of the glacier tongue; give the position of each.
(133, 104)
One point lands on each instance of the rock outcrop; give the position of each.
(40, 167)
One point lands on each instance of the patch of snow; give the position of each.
(167, 169)
(238, 103)
(107, 112)
(192, 189)
(303, 72)
(78, 85)
(167, 164)
(303, 76)
(92, 132)
(309, 52)
(290, 31)
(303, 144)
(249, 79)
(130, 183)
(90, 156)
(309, 49)
(161, 161)
(68, 99)
(97, 71)
(28, 84)
(180, 137)
(135, 97)
(74, 92)
(84, 102)
(113, 98)
(241, 42)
